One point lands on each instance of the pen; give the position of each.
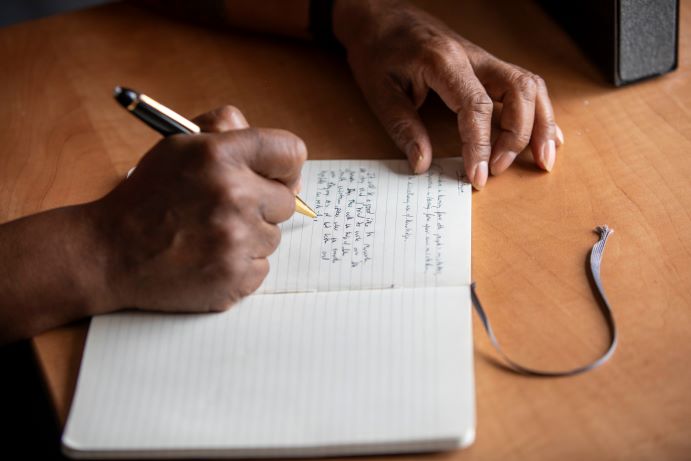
(168, 122)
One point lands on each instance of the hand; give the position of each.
(192, 227)
(398, 53)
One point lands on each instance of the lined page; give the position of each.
(295, 374)
(378, 226)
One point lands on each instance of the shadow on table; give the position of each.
(28, 427)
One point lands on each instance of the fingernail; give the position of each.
(502, 161)
(418, 162)
(548, 155)
(415, 157)
(560, 135)
(480, 175)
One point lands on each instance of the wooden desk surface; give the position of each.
(626, 163)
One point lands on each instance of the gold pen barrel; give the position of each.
(302, 208)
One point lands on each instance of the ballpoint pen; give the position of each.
(168, 122)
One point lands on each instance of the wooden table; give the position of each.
(626, 163)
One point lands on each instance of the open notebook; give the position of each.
(358, 342)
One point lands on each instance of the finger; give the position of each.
(266, 238)
(276, 201)
(273, 154)
(516, 121)
(560, 135)
(462, 92)
(544, 136)
(474, 125)
(247, 199)
(224, 118)
(252, 276)
(400, 119)
(247, 233)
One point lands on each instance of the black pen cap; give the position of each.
(125, 96)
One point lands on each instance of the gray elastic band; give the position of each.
(595, 260)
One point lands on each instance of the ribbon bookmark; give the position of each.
(595, 261)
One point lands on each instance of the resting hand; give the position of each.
(398, 53)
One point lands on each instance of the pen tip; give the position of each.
(302, 208)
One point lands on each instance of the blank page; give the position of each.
(280, 375)
(378, 226)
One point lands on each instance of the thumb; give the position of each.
(225, 118)
(400, 119)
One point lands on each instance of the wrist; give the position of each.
(90, 259)
(53, 271)
(354, 21)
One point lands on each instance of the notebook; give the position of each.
(358, 342)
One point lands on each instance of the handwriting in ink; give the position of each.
(345, 204)
(433, 220)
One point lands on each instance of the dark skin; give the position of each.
(201, 238)
(198, 242)
(398, 53)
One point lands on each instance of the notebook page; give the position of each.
(378, 226)
(293, 374)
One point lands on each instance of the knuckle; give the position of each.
(209, 151)
(443, 50)
(224, 271)
(442, 55)
(281, 205)
(449, 68)
(237, 237)
(273, 238)
(525, 84)
(478, 148)
(480, 102)
(522, 138)
(254, 277)
(295, 150)
(231, 282)
(262, 271)
(399, 128)
(549, 121)
(238, 195)
(548, 124)
(234, 269)
(539, 82)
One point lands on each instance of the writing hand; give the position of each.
(192, 227)
(398, 53)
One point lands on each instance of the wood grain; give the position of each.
(626, 163)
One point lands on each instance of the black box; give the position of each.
(629, 40)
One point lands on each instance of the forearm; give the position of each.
(281, 17)
(51, 272)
